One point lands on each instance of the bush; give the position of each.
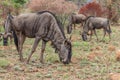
(61, 7)
(92, 9)
(56, 6)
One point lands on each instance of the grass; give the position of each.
(82, 67)
(4, 63)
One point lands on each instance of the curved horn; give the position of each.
(7, 35)
(1, 34)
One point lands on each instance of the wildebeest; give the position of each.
(92, 23)
(75, 19)
(11, 35)
(41, 25)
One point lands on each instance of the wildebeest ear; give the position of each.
(9, 15)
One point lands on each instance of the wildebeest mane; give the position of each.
(88, 18)
(57, 20)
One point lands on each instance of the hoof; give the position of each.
(28, 61)
(21, 59)
(41, 61)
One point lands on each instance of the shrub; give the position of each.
(92, 9)
(61, 7)
(56, 6)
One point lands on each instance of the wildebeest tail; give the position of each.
(15, 39)
(109, 29)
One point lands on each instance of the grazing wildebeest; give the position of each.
(75, 19)
(41, 25)
(92, 23)
(13, 35)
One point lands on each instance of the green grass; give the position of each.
(1, 29)
(4, 63)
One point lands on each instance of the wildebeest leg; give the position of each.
(91, 35)
(42, 51)
(11, 39)
(21, 39)
(82, 24)
(109, 36)
(37, 39)
(95, 34)
(104, 34)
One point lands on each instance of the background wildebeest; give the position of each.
(11, 36)
(75, 19)
(41, 25)
(92, 23)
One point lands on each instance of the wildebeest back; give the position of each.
(34, 24)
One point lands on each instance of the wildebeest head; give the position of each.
(84, 36)
(65, 52)
(8, 25)
(69, 28)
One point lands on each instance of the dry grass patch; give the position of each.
(111, 48)
(94, 54)
(118, 55)
(115, 76)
